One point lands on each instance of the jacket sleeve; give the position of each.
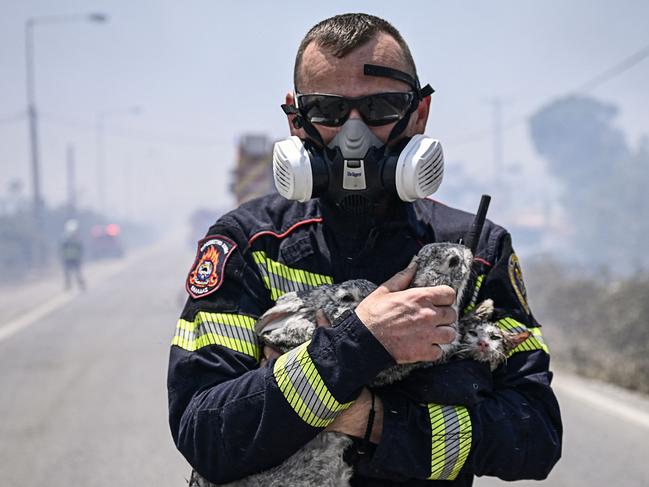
(228, 416)
(512, 430)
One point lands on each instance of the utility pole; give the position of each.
(71, 181)
(32, 115)
(99, 139)
(37, 202)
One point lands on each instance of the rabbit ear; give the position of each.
(515, 339)
(321, 320)
(485, 310)
(272, 319)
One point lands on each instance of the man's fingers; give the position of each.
(442, 295)
(425, 352)
(401, 280)
(444, 334)
(445, 315)
(270, 353)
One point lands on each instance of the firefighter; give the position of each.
(353, 180)
(72, 254)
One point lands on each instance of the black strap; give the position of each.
(385, 72)
(289, 109)
(365, 446)
(426, 91)
(300, 122)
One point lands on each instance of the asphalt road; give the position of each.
(83, 398)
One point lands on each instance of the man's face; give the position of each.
(321, 72)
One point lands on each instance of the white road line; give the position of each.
(573, 387)
(31, 317)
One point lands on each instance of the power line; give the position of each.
(614, 71)
(586, 87)
(139, 135)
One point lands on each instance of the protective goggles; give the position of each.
(375, 110)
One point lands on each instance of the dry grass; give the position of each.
(597, 327)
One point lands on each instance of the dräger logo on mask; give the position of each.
(354, 175)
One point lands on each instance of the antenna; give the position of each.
(473, 235)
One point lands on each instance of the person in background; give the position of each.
(72, 255)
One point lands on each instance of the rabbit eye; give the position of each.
(347, 298)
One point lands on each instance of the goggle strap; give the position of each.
(301, 122)
(289, 109)
(312, 131)
(426, 91)
(385, 72)
(399, 127)
(401, 124)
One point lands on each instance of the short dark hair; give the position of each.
(342, 34)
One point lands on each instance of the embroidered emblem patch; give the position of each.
(516, 277)
(206, 275)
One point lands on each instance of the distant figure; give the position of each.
(71, 254)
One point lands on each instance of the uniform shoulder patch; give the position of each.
(206, 275)
(516, 278)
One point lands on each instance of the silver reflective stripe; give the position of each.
(300, 380)
(232, 331)
(510, 324)
(281, 279)
(451, 440)
(304, 389)
(452, 443)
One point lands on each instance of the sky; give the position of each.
(203, 73)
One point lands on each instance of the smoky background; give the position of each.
(155, 117)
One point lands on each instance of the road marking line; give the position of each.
(31, 317)
(573, 388)
(35, 314)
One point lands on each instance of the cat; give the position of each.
(296, 315)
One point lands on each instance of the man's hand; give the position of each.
(353, 421)
(410, 323)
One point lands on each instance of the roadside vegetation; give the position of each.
(597, 327)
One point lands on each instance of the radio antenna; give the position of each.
(473, 235)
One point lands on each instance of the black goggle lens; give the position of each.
(333, 110)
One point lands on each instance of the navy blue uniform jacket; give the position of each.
(442, 425)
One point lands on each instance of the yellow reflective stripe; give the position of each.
(213, 339)
(304, 389)
(451, 440)
(438, 430)
(235, 332)
(474, 296)
(534, 342)
(510, 324)
(281, 279)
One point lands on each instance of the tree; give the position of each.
(604, 182)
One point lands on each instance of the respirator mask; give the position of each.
(356, 170)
